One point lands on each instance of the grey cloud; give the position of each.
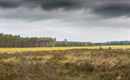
(59, 4)
(48, 4)
(112, 10)
(103, 8)
(9, 4)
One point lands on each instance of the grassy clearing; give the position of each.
(61, 48)
(78, 64)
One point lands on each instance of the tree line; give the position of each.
(8, 40)
(72, 43)
(113, 43)
(17, 41)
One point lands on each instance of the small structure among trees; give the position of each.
(72, 43)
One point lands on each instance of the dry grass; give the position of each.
(78, 64)
(61, 48)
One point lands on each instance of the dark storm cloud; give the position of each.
(6, 4)
(108, 8)
(55, 4)
(112, 10)
(49, 5)
(44, 4)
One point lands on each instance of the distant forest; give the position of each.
(8, 40)
(17, 41)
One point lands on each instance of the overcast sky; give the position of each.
(76, 20)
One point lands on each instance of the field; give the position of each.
(75, 63)
(61, 48)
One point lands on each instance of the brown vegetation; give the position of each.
(103, 64)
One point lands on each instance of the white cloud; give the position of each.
(61, 29)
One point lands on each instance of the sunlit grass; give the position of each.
(61, 48)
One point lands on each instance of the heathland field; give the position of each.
(65, 64)
(61, 48)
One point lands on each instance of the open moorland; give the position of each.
(15, 49)
(76, 64)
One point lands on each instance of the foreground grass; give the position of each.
(80, 64)
(61, 48)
